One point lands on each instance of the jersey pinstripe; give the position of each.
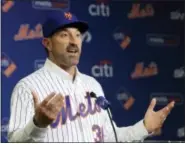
(84, 122)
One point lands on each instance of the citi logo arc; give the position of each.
(99, 10)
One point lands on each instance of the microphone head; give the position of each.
(102, 102)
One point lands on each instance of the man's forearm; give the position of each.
(136, 132)
(30, 133)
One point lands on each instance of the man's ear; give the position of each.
(46, 43)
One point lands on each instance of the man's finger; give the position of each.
(60, 102)
(35, 99)
(171, 105)
(152, 104)
(55, 99)
(55, 109)
(166, 110)
(55, 103)
(50, 96)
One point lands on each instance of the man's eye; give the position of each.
(78, 35)
(64, 35)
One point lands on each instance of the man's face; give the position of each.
(65, 46)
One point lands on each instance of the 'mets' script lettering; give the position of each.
(83, 111)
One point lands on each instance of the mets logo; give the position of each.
(7, 65)
(7, 5)
(68, 15)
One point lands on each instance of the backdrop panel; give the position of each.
(135, 50)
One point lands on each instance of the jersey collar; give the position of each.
(52, 67)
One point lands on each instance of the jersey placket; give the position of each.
(76, 94)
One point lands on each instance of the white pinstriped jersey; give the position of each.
(80, 121)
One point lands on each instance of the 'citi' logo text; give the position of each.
(99, 10)
(104, 69)
(176, 15)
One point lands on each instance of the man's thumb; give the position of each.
(35, 98)
(152, 104)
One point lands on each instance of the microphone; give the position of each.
(104, 104)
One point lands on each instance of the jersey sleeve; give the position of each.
(132, 133)
(21, 127)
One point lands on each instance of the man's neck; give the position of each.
(71, 70)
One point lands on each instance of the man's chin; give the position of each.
(74, 62)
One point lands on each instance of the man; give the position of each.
(53, 104)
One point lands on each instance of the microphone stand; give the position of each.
(108, 111)
(93, 95)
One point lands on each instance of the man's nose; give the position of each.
(72, 40)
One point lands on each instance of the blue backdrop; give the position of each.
(135, 50)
